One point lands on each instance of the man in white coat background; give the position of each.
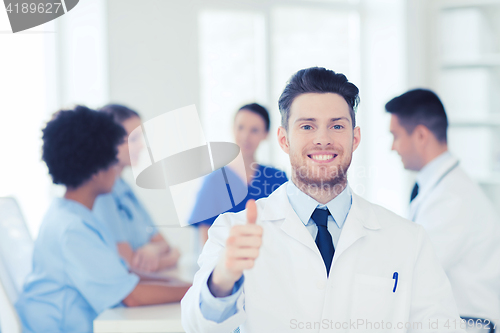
(314, 256)
(460, 220)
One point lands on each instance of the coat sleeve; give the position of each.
(193, 320)
(433, 307)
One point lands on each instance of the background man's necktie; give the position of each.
(324, 238)
(414, 192)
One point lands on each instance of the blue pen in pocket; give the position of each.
(395, 277)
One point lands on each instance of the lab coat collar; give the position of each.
(359, 222)
(360, 219)
(304, 205)
(443, 164)
(432, 171)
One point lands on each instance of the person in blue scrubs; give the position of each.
(77, 272)
(134, 232)
(251, 126)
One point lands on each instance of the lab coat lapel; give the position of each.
(424, 192)
(294, 227)
(360, 218)
(278, 208)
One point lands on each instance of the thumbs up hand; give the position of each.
(242, 248)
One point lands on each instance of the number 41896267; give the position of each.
(46, 8)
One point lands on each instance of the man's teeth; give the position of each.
(321, 157)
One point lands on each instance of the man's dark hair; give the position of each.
(79, 143)
(420, 107)
(119, 112)
(260, 110)
(317, 80)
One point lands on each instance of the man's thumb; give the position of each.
(251, 208)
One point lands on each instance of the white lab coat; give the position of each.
(465, 231)
(288, 288)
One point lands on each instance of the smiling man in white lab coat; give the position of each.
(314, 256)
(462, 223)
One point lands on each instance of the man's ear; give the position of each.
(356, 138)
(421, 134)
(283, 139)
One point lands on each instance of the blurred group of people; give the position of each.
(98, 242)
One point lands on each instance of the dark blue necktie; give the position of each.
(324, 238)
(414, 192)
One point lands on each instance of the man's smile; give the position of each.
(322, 157)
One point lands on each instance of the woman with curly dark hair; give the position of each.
(77, 272)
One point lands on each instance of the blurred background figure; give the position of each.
(250, 128)
(459, 218)
(138, 240)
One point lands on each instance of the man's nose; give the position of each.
(322, 138)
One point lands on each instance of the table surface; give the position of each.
(164, 318)
(152, 318)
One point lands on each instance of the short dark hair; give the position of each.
(420, 107)
(317, 80)
(260, 110)
(119, 112)
(79, 143)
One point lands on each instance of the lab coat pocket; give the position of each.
(374, 300)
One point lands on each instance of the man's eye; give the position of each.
(337, 127)
(306, 127)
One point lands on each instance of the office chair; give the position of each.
(478, 325)
(16, 251)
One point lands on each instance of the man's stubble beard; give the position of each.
(335, 177)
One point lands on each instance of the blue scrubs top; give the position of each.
(77, 272)
(125, 216)
(265, 181)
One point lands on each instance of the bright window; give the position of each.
(27, 67)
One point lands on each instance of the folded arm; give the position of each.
(151, 257)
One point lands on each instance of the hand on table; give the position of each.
(170, 258)
(146, 258)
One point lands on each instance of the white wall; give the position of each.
(153, 68)
(82, 55)
(384, 77)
